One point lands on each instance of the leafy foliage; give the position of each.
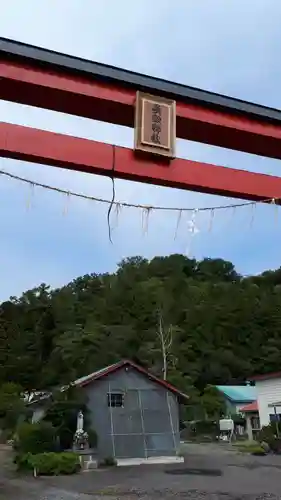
(12, 406)
(212, 402)
(270, 434)
(49, 464)
(109, 462)
(219, 322)
(62, 413)
(35, 438)
(92, 438)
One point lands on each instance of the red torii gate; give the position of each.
(46, 79)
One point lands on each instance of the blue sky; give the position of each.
(231, 47)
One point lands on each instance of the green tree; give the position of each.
(62, 412)
(212, 402)
(219, 323)
(12, 407)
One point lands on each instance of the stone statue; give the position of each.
(80, 421)
(81, 438)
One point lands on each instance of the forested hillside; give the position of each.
(224, 327)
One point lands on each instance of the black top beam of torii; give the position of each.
(21, 52)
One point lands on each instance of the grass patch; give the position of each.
(244, 444)
(251, 447)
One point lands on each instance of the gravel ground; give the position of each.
(235, 477)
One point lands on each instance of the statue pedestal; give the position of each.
(88, 459)
(80, 448)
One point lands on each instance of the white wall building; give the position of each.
(268, 390)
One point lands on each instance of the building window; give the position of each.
(255, 421)
(115, 399)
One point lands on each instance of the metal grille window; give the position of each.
(115, 399)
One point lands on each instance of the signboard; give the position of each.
(155, 125)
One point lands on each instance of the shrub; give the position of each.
(55, 463)
(238, 419)
(22, 461)
(109, 462)
(49, 464)
(35, 438)
(268, 435)
(258, 450)
(206, 427)
(275, 445)
(6, 435)
(93, 438)
(12, 406)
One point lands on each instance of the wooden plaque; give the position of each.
(155, 125)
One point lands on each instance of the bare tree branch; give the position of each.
(166, 340)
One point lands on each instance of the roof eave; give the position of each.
(266, 376)
(152, 377)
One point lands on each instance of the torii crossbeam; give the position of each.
(46, 79)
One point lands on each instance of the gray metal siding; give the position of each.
(147, 425)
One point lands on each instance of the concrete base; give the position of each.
(127, 462)
(89, 465)
(88, 462)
